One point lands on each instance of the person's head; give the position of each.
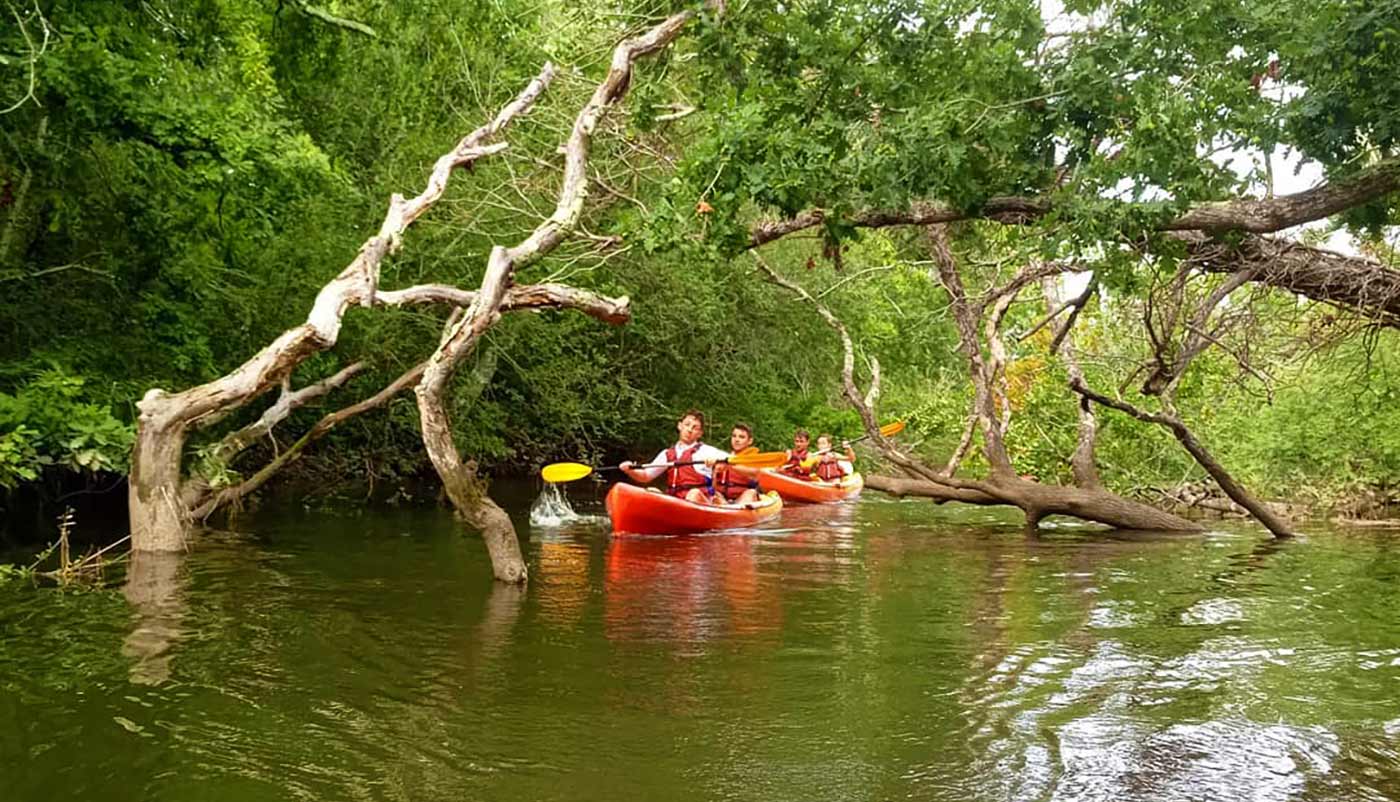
(740, 437)
(800, 439)
(691, 426)
(823, 442)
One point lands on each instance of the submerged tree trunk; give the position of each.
(158, 517)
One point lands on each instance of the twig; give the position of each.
(35, 53)
(326, 16)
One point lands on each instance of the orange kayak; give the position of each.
(647, 512)
(809, 492)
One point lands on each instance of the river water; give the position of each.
(869, 651)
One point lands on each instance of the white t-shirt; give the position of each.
(704, 452)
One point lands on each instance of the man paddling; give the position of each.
(690, 482)
(732, 483)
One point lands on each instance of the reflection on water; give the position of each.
(155, 590)
(686, 589)
(878, 650)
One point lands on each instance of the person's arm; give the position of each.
(648, 473)
(707, 456)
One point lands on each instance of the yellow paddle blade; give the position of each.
(759, 459)
(892, 429)
(565, 472)
(749, 450)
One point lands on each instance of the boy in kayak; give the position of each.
(797, 455)
(829, 468)
(732, 483)
(689, 482)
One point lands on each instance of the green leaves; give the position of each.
(47, 423)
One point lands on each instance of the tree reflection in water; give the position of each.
(155, 589)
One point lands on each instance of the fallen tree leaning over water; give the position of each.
(163, 500)
(991, 415)
(466, 491)
(1353, 283)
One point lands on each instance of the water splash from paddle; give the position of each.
(552, 508)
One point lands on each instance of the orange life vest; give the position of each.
(794, 467)
(730, 483)
(829, 471)
(681, 479)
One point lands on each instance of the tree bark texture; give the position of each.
(1356, 283)
(1256, 216)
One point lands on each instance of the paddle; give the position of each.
(749, 458)
(888, 430)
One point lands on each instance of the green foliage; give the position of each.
(47, 423)
(192, 173)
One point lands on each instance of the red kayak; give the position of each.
(649, 512)
(807, 491)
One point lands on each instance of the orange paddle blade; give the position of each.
(759, 459)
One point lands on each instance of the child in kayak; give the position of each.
(798, 455)
(689, 482)
(732, 483)
(830, 468)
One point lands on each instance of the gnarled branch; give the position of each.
(1188, 440)
(459, 480)
(1257, 216)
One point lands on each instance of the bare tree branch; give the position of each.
(1183, 434)
(327, 17)
(158, 518)
(36, 52)
(290, 400)
(459, 480)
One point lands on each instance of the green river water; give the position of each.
(871, 651)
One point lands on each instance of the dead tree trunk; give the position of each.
(1003, 486)
(1082, 462)
(1183, 434)
(464, 488)
(163, 502)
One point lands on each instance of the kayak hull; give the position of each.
(801, 491)
(635, 510)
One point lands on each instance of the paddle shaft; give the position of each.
(659, 465)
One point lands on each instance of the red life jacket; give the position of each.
(730, 483)
(830, 471)
(794, 467)
(683, 478)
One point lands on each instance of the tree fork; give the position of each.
(1183, 434)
